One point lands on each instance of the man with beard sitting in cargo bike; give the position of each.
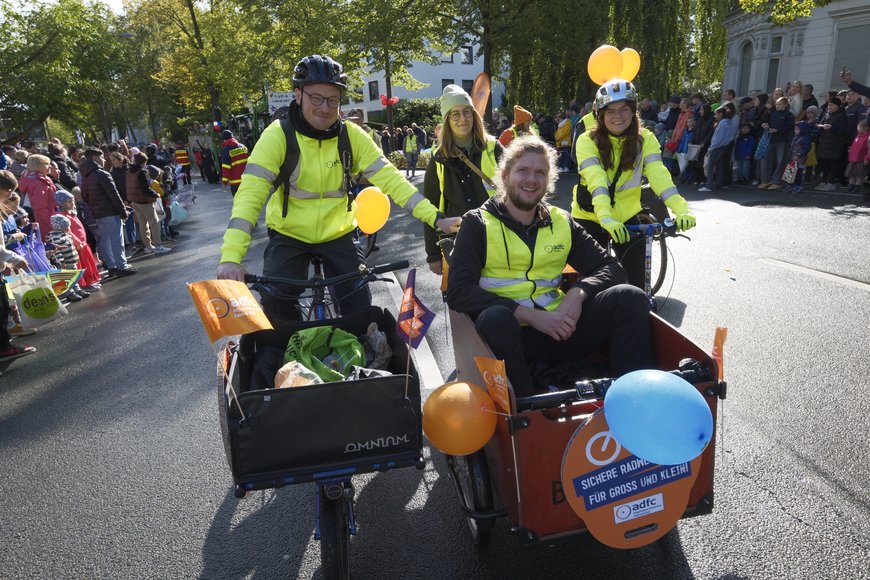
(506, 272)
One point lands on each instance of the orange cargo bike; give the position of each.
(522, 473)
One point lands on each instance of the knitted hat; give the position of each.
(675, 99)
(60, 222)
(813, 109)
(836, 101)
(521, 116)
(453, 96)
(61, 195)
(226, 134)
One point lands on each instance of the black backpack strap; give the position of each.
(291, 160)
(345, 154)
(584, 196)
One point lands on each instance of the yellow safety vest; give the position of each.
(410, 144)
(513, 272)
(317, 203)
(488, 166)
(626, 199)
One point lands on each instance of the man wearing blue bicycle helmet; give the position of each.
(310, 160)
(613, 158)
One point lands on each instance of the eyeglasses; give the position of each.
(456, 115)
(317, 100)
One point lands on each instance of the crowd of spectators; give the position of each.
(82, 208)
(788, 140)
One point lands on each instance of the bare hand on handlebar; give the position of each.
(231, 271)
(436, 268)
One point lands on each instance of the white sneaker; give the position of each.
(162, 250)
(149, 250)
(705, 188)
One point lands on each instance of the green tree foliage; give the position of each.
(61, 60)
(783, 11)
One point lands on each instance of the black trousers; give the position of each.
(616, 319)
(288, 257)
(630, 255)
(5, 311)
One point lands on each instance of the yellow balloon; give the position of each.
(605, 63)
(630, 64)
(372, 209)
(459, 418)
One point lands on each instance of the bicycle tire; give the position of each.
(659, 266)
(334, 538)
(472, 475)
(366, 243)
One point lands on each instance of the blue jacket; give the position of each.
(745, 147)
(800, 145)
(721, 135)
(783, 122)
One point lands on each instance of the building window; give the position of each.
(467, 86)
(373, 91)
(772, 74)
(356, 95)
(447, 58)
(776, 45)
(467, 55)
(445, 82)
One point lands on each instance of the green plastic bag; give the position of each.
(329, 352)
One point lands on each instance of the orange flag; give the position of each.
(226, 308)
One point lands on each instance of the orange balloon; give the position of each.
(372, 209)
(605, 63)
(630, 64)
(459, 418)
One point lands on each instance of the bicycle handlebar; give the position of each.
(690, 371)
(323, 282)
(668, 228)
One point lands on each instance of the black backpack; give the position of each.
(291, 159)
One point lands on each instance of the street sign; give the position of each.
(278, 100)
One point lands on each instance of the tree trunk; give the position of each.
(389, 92)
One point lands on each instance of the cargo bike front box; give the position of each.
(322, 431)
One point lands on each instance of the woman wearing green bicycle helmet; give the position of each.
(613, 158)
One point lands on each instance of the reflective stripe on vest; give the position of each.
(513, 272)
(488, 166)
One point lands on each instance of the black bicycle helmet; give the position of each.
(319, 69)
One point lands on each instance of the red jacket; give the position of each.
(234, 159)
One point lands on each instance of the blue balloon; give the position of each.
(658, 416)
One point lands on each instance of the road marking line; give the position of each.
(423, 357)
(818, 274)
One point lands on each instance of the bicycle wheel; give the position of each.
(659, 262)
(366, 243)
(472, 476)
(334, 536)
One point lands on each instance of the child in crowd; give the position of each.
(66, 206)
(659, 132)
(800, 148)
(744, 149)
(13, 234)
(8, 183)
(812, 121)
(859, 158)
(65, 255)
(687, 175)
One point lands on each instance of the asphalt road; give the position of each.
(113, 467)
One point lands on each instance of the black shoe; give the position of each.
(73, 297)
(82, 293)
(120, 273)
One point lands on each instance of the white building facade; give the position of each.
(762, 55)
(460, 68)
